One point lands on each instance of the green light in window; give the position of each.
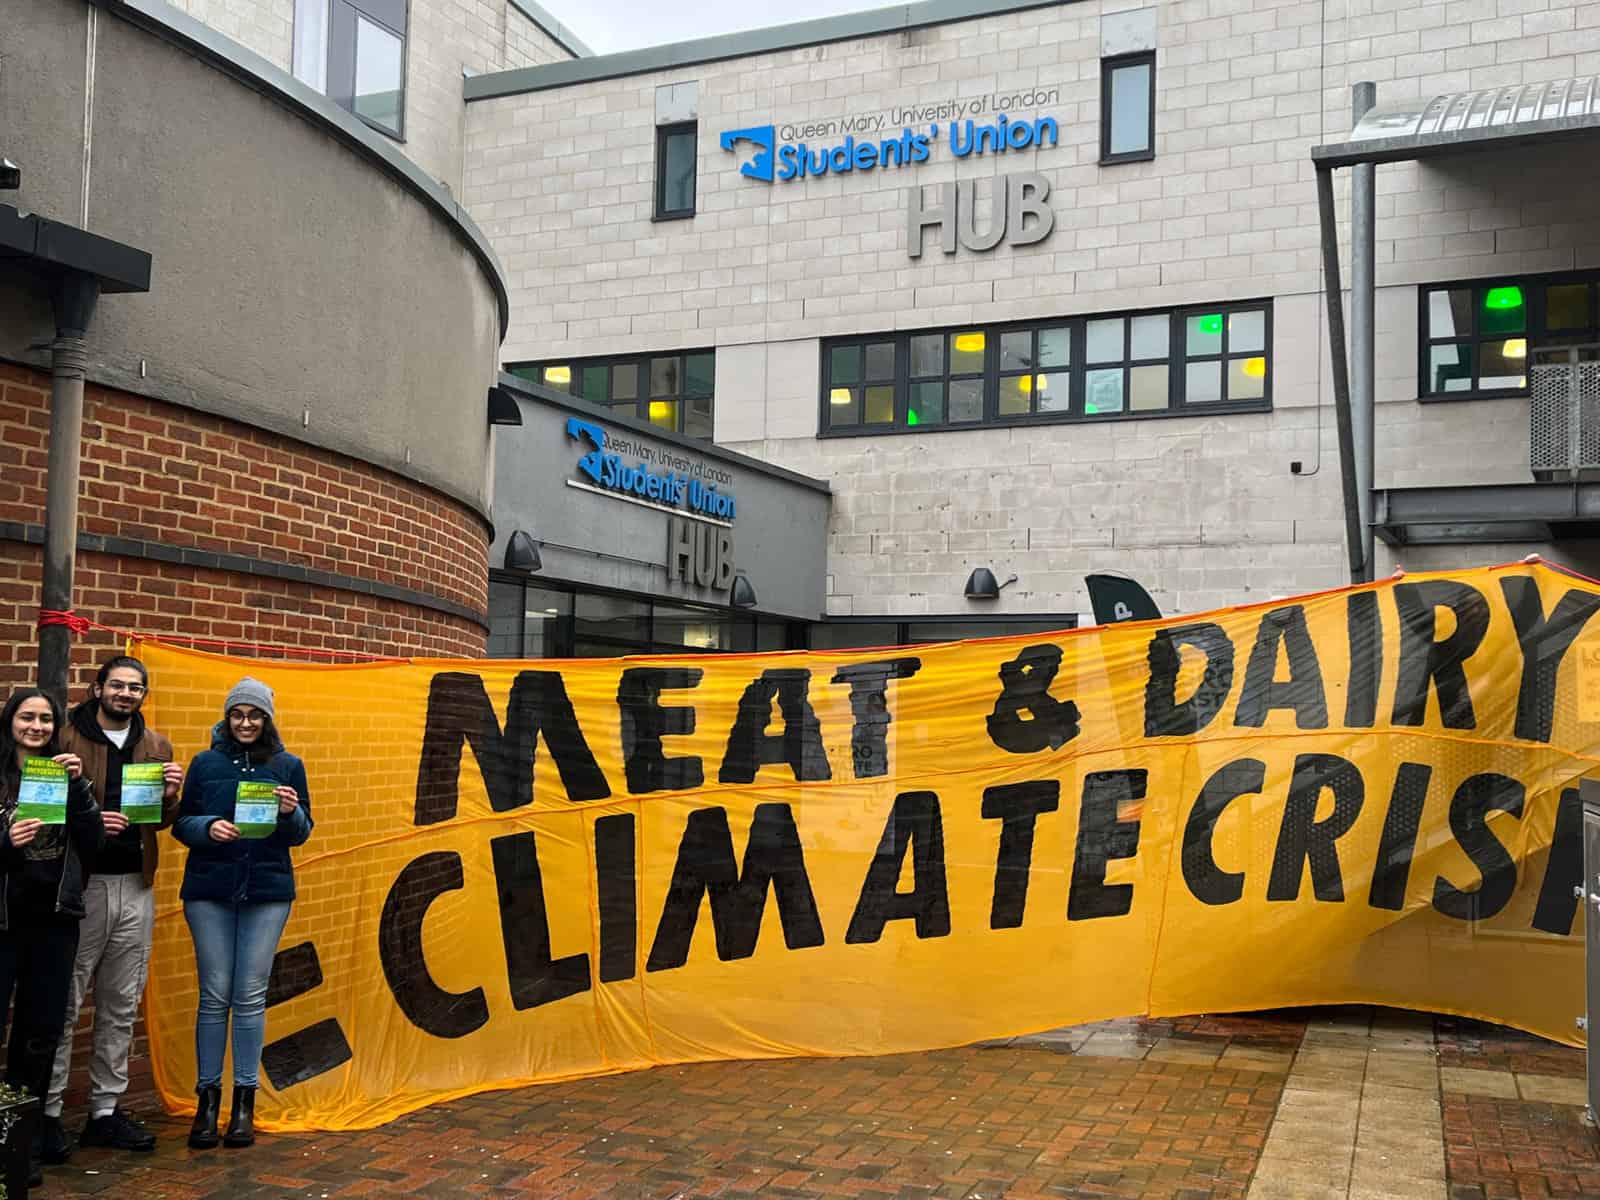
(911, 416)
(1211, 323)
(1503, 297)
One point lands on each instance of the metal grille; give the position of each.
(1550, 438)
(1588, 396)
(1564, 436)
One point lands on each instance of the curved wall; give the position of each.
(304, 282)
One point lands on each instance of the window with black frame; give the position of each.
(1035, 374)
(675, 171)
(1128, 108)
(1476, 336)
(675, 391)
(354, 51)
(859, 382)
(1104, 367)
(532, 620)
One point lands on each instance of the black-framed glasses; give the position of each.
(249, 718)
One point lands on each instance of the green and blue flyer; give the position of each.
(43, 794)
(142, 786)
(255, 809)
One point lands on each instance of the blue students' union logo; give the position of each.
(611, 472)
(762, 138)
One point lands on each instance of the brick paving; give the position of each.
(1304, 1104)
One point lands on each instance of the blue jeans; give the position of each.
(234, 945)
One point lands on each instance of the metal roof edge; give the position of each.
(528, 390)
(1432, 145)
(554, 29)
(846, 27)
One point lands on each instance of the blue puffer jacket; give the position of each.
(249, 869)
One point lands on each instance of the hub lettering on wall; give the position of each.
(700, 554)
(1014, 199)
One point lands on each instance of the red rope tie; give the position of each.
(73, 622)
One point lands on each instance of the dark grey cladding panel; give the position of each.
(591, 534)
(843, 28)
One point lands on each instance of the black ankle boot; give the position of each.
(203, 1133)
(242, 1124)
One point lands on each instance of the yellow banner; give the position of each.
(529, 871)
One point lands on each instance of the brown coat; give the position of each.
(96, 754)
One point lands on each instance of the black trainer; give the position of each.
(119, 1131)
(55, 1147)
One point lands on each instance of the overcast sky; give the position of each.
(612, 25)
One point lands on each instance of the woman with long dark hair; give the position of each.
(245, 805)
(41, 899)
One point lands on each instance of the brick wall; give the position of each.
(157, 473)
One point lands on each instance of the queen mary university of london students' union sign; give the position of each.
(856, 144)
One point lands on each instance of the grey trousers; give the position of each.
(113, 948)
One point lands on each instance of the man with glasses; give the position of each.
(108, 734)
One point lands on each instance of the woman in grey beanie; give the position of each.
(245, 805)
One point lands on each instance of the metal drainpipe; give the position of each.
(1363, 328)
(1341, 369)
(73, 300)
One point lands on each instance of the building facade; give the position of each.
(1038, 287)
(286, 440)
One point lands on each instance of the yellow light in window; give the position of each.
(969, 343)
(1517, 348)
(558, 374)
(660, 410)
(839, 396)
(1025, 384)
(1044, 383)
(1256, 368)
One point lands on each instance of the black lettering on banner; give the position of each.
(426, 1005)
(1558, 902)
(644, 722)
(459, 713)
(1017, 807)
(1163, 715)
(1209, 883)
(617, 896)
(750, 747)
(1470, 807)
(1424, 660)
(1364, 626)
(914, 823)
(314, 1050)
(705, 868)
(1302, 691)
(1392, 872)
(1303, 839)
(1543, 644)
(869, 704)
(535, 977)
(1102, 836)
(1025, 686)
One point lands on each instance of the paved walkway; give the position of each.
(1353, 1104)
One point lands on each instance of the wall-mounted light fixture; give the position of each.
(742, 595)
(981, 584)
(503, 408)
(522, 553)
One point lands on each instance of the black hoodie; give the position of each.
(123, 853)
